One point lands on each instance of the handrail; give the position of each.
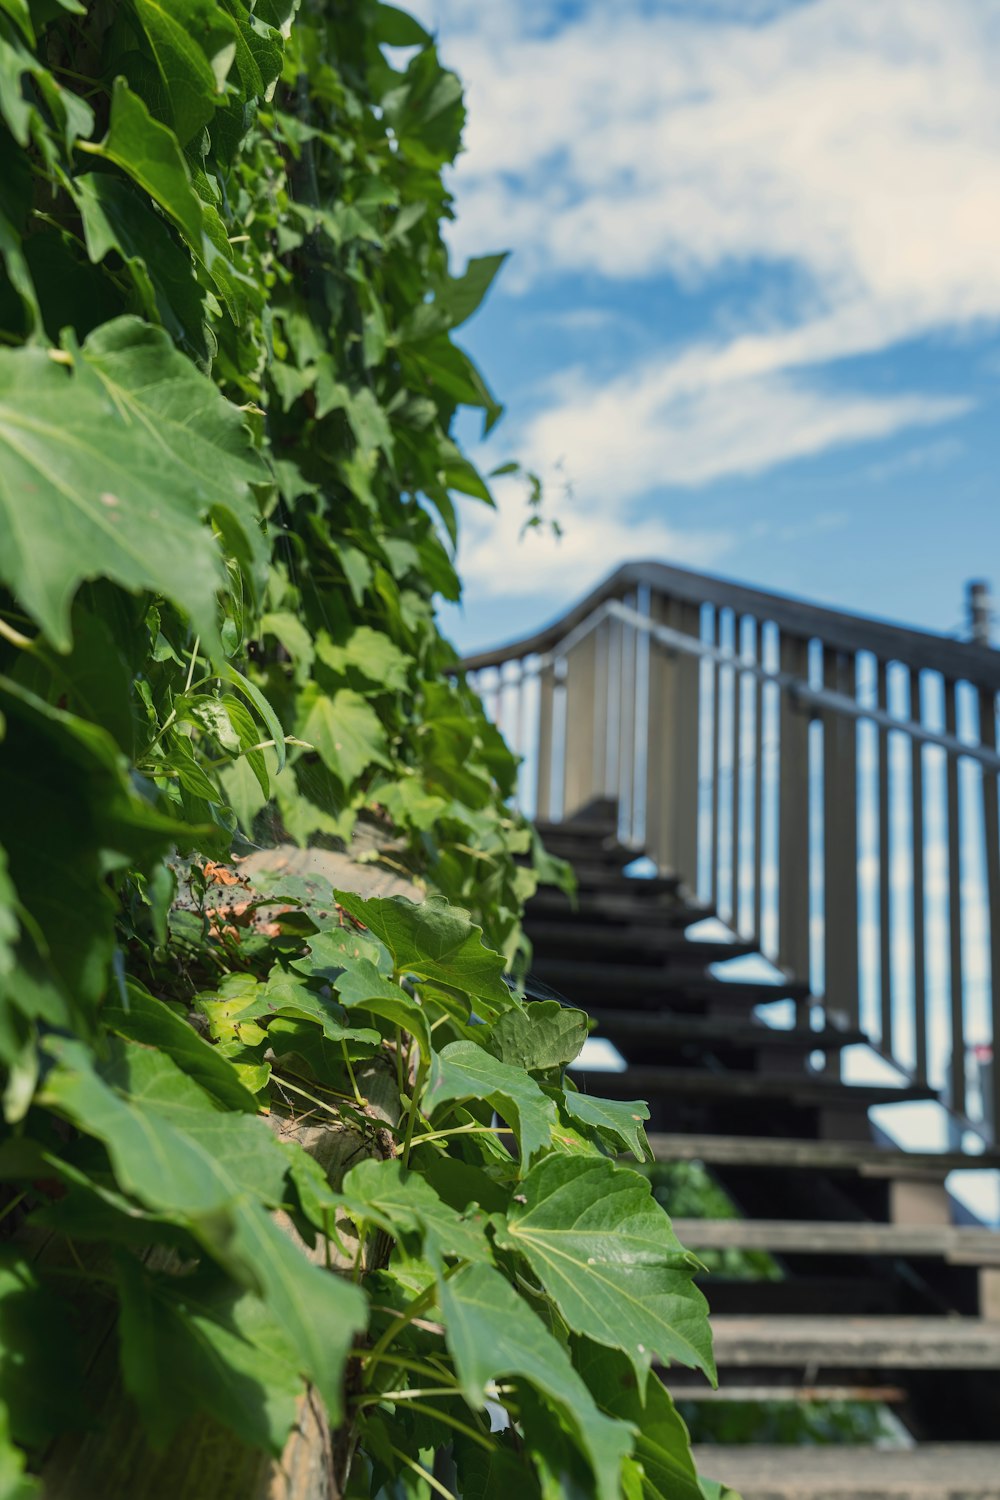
(847, 632)
(828, 784)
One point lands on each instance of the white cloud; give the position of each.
(649, 429)
(853, 146)
(858, 142)
(496, 560)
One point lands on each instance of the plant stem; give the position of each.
(411, 1118)
(425, 1474)
(23, 642)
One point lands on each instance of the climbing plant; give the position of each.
(272, 1153)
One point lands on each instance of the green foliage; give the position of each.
(282, 1137)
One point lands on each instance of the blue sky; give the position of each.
(751, 321)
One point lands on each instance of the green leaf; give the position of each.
(603, 1249)
(194, 44)
(215, 1172)
(9, 925)
(106, 500)
(149, 153)
(118, 219)
(462, 1070)
(493, 1334)
(345, 730)
(396, 28)
(256, 698)
(142, 1018)
(435, 941)
(541, 1036)
(99, 824)
(663, 1446)
(461, 295)
(14, 1483)
(616, 1122)
(405, 1205)
(362, 987)
(200, 434)
(202, 1363)
(40, 1369)
(284, 995)
(369, 652)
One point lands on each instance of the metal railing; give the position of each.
(826, 783)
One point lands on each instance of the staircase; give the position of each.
(757, 751)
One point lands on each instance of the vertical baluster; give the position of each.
(602, 705)
(612, 734)
(991, 814)
(715, 779)
(956, 983)
(919, 894)
(580, 685)
(758, 789)
(793, 818)
(663, 725)
(626, 742)
(840, 839)
(546, 740)
(517, 733)
(884, 870)
(734, 835)
(686, 733)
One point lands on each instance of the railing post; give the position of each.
(793, 819)
(991, 822)
(884, 869)
(840, 842)
(672, 766)
(546, 704)
(581, 724)
(956, 981)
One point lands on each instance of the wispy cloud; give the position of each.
(499, 559)
(851, 148)
(858, 142)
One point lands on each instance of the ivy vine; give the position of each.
(270, 1149)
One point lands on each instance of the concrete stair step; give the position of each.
(864, 1343)
(861, 1157)
(650, 1027)
(933, 1471)
(958, 1246)
(747, 1088)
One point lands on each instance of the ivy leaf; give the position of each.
(435, 941)
(362, 987)
(9, 926)
(663, 1446)
(345, 730)
(617, 1122)
(149, 1021)
(369, 652)
(463, 1070)
(200, 434)
(540, 1037)
(603, 1249)
(284, 995)
(40, 1371)
(214, 1172)
(404, 1204)
(201, 1364)
(149, 153)
(118, 219)
(194, 51)
(493, 1334)
(105, 502)
(103, 826)
(335, 948)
